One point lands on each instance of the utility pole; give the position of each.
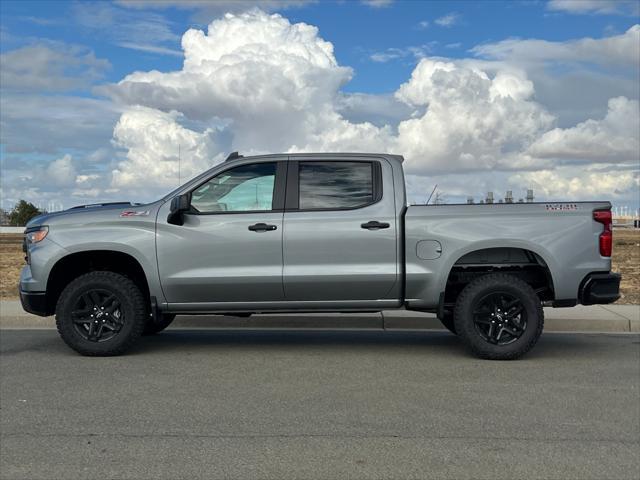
(179, 165)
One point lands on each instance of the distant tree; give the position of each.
(22, 213)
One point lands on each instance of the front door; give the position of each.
(340, 232)
(229, 248)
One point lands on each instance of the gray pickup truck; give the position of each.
(314, 233)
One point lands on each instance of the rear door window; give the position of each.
(335, 185)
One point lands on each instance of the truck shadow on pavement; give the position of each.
(430, 343)
(415, 342)
(297, 340)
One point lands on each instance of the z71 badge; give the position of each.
(135, 213)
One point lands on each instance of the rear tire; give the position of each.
(499, 317)
(101, 314)
(152, 327)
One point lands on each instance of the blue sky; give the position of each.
(82, 49)
(355, 29)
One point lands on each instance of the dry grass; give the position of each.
(626, 260)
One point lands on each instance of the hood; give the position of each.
(82, 209)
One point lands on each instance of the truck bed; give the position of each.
(562, 235)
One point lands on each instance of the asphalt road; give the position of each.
(303, 404)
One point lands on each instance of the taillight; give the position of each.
(606, 237)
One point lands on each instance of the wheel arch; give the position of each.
(522, 260)
(77, 263)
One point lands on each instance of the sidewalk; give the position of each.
(596, 318)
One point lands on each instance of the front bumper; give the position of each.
(34, 302)
(600, 288)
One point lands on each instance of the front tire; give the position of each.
(101, 314)
(499, 317)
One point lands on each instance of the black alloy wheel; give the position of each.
(97, 316)
(500, 318)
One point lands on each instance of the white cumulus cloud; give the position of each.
(472, 121)
(563, 183)
(267, 76)
(612, 139)
(155, 142)
(243, 64)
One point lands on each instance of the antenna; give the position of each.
(432, 192)
(179, 160)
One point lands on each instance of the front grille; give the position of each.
(25, 250)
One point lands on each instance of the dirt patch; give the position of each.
(626, 260)
(11, 261)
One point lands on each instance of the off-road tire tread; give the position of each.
(133, 293)
(479, 348)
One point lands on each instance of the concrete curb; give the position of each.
(597, 318)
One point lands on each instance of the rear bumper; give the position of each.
(600, 288)
(34, 302)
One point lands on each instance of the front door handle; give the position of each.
(374, 225)
(262, 227)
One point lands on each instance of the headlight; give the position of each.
(36, 234)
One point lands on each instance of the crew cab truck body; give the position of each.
(308, 233)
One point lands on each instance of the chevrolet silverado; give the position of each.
(297, 233)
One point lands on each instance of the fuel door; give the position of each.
(428, 249)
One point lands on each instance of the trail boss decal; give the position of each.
(560, 206)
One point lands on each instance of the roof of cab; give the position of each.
(337, 155)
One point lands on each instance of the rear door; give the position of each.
(340, 231)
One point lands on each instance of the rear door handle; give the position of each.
(262, 227)
(374, 225)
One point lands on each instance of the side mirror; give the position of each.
(179, 205)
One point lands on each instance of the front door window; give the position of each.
(247, 188)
